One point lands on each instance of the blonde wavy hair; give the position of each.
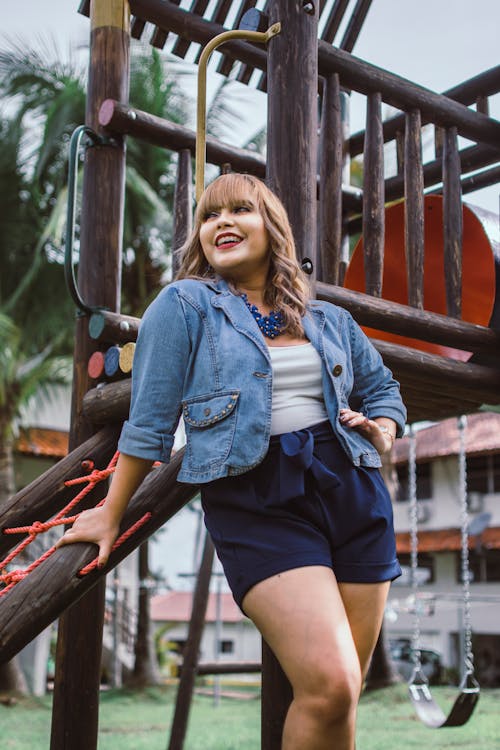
(286, 286)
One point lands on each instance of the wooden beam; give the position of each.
(183, 206)
(47, 494)
(361, 76)
(460, 376)
(292, 173)
(56, 584)
(355, 25)
(414, 210)
(121, 118)
(452, 224)
(472, 158)
(474, 182)
(113, 328)
(292, 151)
(418, 324)
(330, 186)
(108, 403)
(487, 83)
(192, 649)
(232, 667)
(373, 194)
(167, 16)
(334, 20)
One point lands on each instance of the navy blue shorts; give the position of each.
(305, 504)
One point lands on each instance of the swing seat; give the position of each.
(428, 710)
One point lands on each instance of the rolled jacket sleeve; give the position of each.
(375, 391)
(160, 364)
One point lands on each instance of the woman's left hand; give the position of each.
(369, 428)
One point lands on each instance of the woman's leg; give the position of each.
(364, 604)
(303, 617)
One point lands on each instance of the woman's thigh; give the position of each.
(301, 615)
(364, 604)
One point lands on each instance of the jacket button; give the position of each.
(337, 370)
(206, 411)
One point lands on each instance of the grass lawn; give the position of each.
(141, 721)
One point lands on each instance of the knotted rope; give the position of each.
(11, 578)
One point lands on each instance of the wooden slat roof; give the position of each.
(340, 23)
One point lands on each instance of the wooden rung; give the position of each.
(84, 8)
(159, 38)
(393, 317)
(137, 27)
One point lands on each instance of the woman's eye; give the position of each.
(211, 215)
(241, 209)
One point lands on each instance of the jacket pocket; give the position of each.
(210, 421)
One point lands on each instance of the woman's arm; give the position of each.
(100, 525)
(375, 392)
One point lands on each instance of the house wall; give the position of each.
(444, 505)
(441, 625)
(244, 635)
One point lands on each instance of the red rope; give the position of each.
(123, 538)
(11, 578)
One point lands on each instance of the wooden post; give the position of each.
(452, 221)
(291, 173)
(345, 116)
(190, 657)
(76, 688)
(330, 189)
(414, 210)
(183, 206)
(292, 150)
(373, 192)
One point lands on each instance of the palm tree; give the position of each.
(22, 375)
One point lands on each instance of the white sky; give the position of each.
(436, 43)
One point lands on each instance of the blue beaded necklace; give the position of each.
(271, 325)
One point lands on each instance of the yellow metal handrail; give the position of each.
(201, 124)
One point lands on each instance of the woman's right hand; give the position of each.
(96, 526)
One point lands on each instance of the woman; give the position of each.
(287, 409)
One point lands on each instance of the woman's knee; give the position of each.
(331, 697)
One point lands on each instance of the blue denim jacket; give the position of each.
(200, 354)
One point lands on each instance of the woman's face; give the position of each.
(235, 242)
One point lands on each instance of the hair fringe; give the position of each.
(287, 289)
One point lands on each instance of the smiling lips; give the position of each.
(227, 240)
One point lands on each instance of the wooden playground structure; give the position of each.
(425, 280)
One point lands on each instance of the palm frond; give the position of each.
(224, 110)
(257, 142)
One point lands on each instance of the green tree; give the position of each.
(22, 375)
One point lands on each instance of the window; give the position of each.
(484, 566)
(424, 483)
(226, 647)
(425, 569)
(483, 473)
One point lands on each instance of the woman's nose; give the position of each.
(224, 218)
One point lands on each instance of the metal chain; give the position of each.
(464, 526)
(412, 494)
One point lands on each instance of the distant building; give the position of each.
(437, 449)
(233, 638)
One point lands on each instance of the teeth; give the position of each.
(228, 238)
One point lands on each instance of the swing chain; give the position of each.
(412, 492)
(468, 656)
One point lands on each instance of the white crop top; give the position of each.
(297, 388)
